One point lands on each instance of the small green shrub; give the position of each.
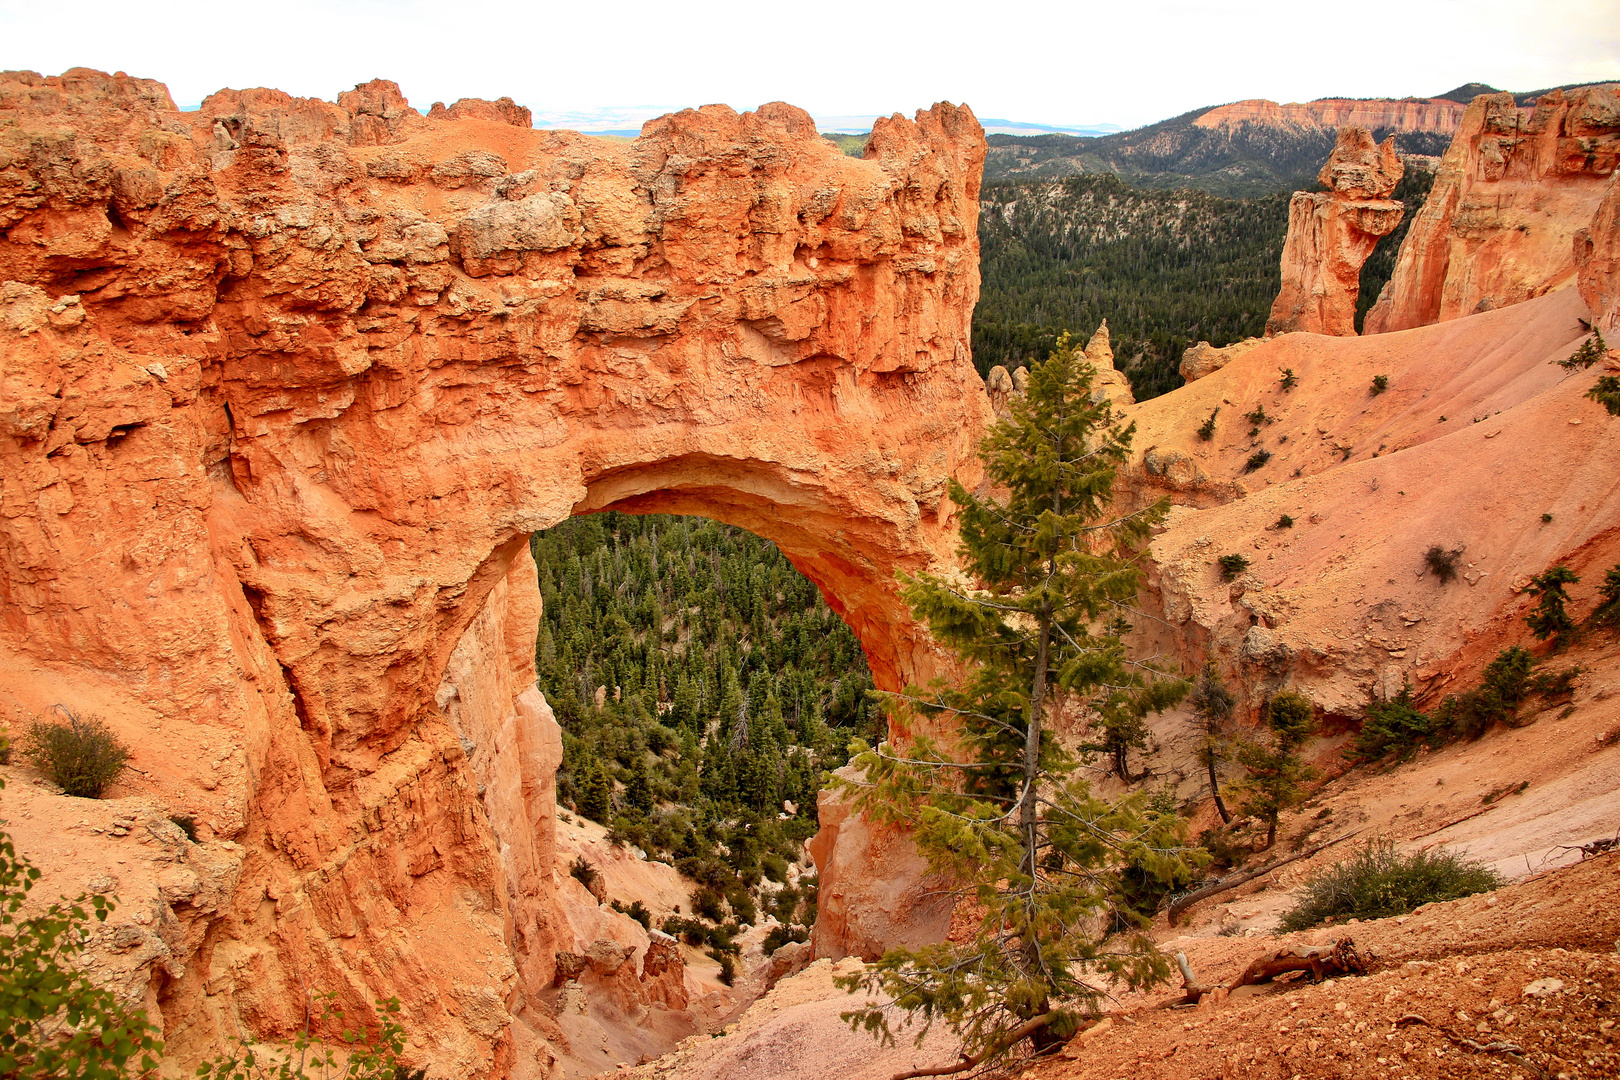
(1288, 380)
(1590, 352)
(1608, 612)
(781, 935)
(1225, 849)
(1393, 726)
(81, 756)
(1546, 518)
(1377, 883)
(1206, 430)
(1550, 618)
(1285, 522)
(785, 904)
(1380, 383)
(1232, 566)
(1556, 686)
(728, 967)
(1442, 563)
(1506, 684)
(1606, 392)
(636, 910)
(708, 903)
(583, 872)
(1258, 416)
(1276, 772)
(1256, 460)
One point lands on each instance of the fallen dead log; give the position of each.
(1323, 962)
(1231, 882)
(1194, 990)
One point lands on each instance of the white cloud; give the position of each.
(1057, 63)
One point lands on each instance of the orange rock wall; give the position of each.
(1331, 233)
(1597, 262)
(284, 387)
(1512, 191)
(1410, 114)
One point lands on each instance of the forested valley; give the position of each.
(1165, 268)
(703, 687)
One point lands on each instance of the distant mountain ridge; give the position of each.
(1245, 148)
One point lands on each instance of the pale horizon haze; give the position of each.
(1069, 64)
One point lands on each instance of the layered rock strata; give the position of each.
(1512, 191)
(1439, 115)
(1331, 233)
(286, 386)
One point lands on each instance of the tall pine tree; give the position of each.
(1001, 811)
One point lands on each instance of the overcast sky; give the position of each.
(1071, 62)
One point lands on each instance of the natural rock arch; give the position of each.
(288, 384)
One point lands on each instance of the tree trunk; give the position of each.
(1271, 832)
(1032, 746)
(1122, 765)
(1215, 790)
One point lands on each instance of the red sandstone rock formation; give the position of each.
(1597, 263)
(1512, 191)
(1204, 359)
(1406, 114)
(286, 385)
(504, 110)
(1331, 233)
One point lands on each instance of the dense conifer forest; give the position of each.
(1165, 268)
(703, 686)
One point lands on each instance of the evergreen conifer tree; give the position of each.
(1550, 619)
(1001, 812)
(1276, 771)
(1212, 703)
(596, 794)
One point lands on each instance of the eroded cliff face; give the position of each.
(1331, 233)
(1409, 114)
(1512, 191)
(286, 385)
(1597, 264)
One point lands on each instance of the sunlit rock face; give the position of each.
(286, 386)
(1331, 233)
(1512, 191)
